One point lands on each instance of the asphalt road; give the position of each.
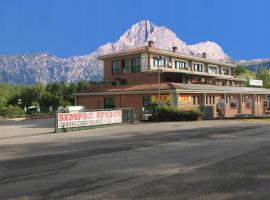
(219, 160)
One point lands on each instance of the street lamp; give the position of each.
(19, 102)
(159, 58)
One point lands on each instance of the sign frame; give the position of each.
(87, 119)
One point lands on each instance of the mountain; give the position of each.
(256, 64)
(31, 68)
(46, 68)
(212, 49)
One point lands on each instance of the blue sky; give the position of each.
(77, 27)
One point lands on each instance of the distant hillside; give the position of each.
(256, 64)
(262, 74)
(247, 75)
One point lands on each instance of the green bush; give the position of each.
(12, 111)
(170, 113)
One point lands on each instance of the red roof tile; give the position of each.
(141, 87)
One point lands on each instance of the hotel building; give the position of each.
(147, 75)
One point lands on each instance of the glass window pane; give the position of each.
(109, 102)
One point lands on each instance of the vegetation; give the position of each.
(12, 111)
(14, 99)
(243, 73)
(264, 75)
(170, 113)
(239, 70)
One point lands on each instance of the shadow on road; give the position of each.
(29, 123)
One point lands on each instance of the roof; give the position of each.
(200, 87)
(169, 87)
(204, 74)
(141, 87)
(145, 49)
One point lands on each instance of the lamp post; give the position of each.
(159, 58)
(19, 102)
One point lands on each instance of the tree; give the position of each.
(240, 70)
(53, 94)
(264, 75)
(83, 84)
(7, 91)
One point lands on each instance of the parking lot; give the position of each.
(218, 159)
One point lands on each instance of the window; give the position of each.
(116, 67)
(197, 67)
(210, 100)
(196, 100)
(123, 82)
(155, 61)
(159, 62)
(146, 100)
(136, 64)
(180, 65)
(233, 103)
(212, 70)
(109, 102)
(225, 71)
(125, 66)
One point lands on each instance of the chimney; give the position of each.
(151, 44)
(174, 49)
(204, 55)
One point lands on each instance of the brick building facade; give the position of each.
(147, 75)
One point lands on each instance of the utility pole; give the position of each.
(159, 80)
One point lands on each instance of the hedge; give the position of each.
(170, 113)
(12, 111)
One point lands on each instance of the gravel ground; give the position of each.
(202, 160)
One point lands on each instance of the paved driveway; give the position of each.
(178, 160)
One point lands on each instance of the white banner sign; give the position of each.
(79, 119)
(256, 82)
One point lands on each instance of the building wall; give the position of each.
(132, 78)
(91, 102)
(245, 108)
(136, 100)
(108, 76)
(147, 64)
(121, 101)
(259, 105)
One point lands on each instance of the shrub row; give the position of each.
(170, 113)
(12, 111)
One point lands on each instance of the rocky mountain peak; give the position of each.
(164, 38)
(49, 68)
(212, 50)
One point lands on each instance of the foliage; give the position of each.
(240, 70)
(44, 96)
(243, 73)
(7, 91)
(12, 111)
(170, 113)
(264, 75)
